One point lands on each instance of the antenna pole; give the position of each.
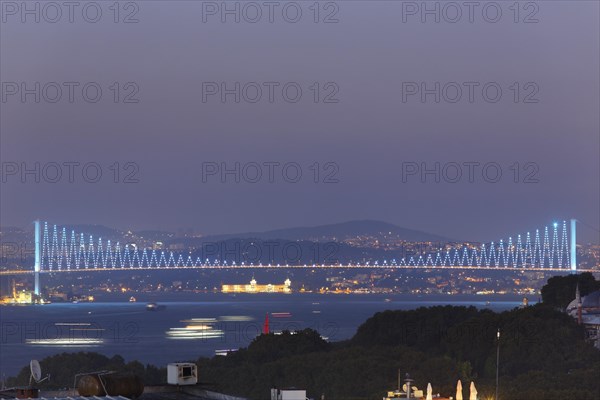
(497, 361)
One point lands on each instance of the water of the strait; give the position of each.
(187, 327)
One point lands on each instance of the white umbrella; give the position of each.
(429, 392)
(459, 391)
(472, 391)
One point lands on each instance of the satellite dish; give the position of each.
(36, 370)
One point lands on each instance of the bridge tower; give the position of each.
(573, 247)
(38, 258)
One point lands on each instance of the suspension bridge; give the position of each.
(57, 250)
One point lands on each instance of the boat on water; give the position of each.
(196, 328)
(281, 314)
(224, 352)
(154, 307)
(132, 299)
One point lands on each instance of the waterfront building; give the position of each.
(254, 287)
(21, 297)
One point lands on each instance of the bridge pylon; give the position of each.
(38, 257)
(573, 247)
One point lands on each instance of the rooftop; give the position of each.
(166, 392)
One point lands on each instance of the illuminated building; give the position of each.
(23, 297)
(18, 297)
(253, 287)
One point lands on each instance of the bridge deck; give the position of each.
(339, 266)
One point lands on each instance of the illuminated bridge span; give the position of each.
(66, 252)
(59, 250)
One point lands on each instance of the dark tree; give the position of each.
(560, 290)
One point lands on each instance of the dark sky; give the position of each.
(369, 55)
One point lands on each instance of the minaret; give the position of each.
(579, 305)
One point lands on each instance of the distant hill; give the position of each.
(95, 230)
(338, 232)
